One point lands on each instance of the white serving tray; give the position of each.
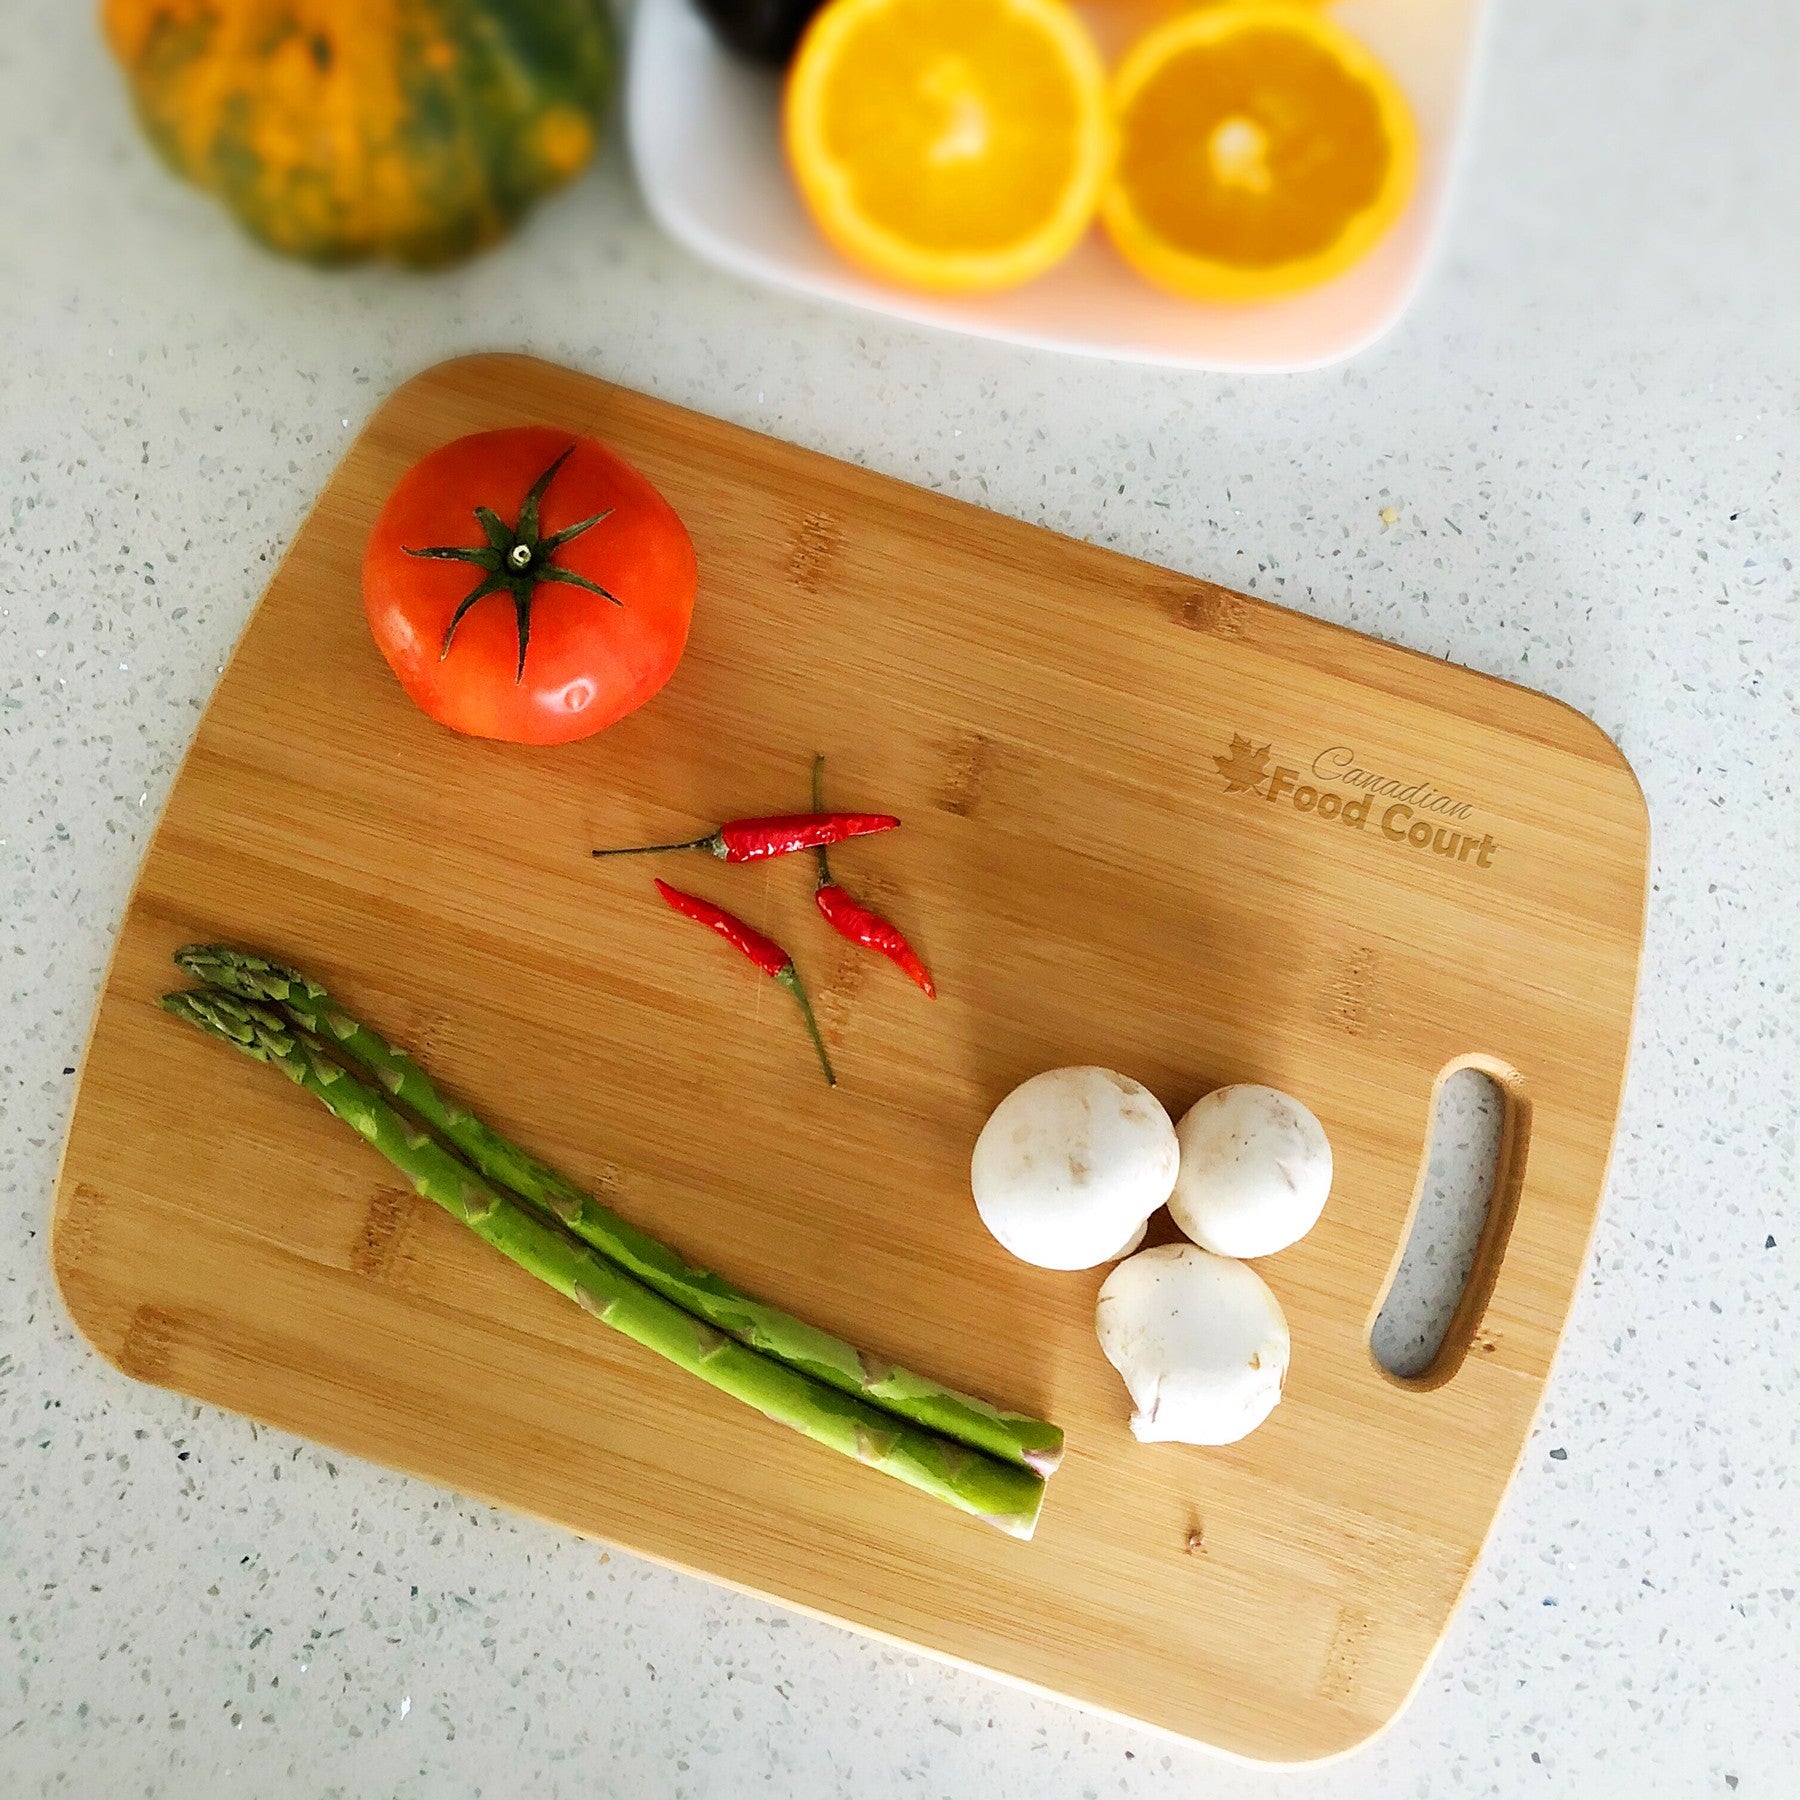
(703, 135)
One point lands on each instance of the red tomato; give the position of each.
(583, 617)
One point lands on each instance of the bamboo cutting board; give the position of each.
(1149, 823)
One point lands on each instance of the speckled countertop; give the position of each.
(1584, 443)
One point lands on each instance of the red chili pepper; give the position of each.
(749, 840)
(763, 951)
(849, 918)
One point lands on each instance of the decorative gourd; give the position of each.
(335, 129)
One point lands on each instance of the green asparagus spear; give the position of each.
(1015, 1437)
(1000, 1493)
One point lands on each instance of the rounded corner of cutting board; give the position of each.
(1628, 806)
(71, 1227)
(1606, 750)
(1578, 732)
(76, 1203)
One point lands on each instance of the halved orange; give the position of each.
(958, 145)
(1262, 150)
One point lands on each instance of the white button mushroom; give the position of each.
(1255, 1171)
(1200, 1341)
(1130, 1244)
(1070, 1164)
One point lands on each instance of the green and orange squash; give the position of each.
(416, 130)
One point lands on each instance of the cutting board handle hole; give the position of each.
(1430, 1312)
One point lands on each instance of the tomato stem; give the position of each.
(516, 558)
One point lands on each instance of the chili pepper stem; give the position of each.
(713, 842)
(818, 797)
(790, 979)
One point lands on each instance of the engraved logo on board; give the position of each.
(1337, 788)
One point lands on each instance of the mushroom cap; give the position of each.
(1201, 1342)
(1130, 1244)
(1255, 1171)
(1070, 1164)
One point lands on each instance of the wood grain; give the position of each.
(1056, 725)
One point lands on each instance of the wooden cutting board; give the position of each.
(1135, 835)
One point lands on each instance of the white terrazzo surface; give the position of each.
(1587, 435)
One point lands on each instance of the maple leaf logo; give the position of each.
(1246, 768)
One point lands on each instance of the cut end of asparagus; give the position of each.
(1016, 1525)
